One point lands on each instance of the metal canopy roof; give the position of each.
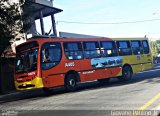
(35, 8)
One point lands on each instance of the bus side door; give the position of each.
(146, 57)
(51, 55)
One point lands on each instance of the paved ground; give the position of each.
(91, 98)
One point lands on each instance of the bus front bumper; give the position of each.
(33, 84)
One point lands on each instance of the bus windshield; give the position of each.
(26, 61)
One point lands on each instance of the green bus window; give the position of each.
(145, 46)
(136, 47)
(124, 48)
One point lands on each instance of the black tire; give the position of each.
(126, 74)
(70, 82)
(104, 81)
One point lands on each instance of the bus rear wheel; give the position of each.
(126, 73)
(70, 82)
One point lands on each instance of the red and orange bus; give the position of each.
(52, 62)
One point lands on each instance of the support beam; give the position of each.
(53, 25)
(42, 23)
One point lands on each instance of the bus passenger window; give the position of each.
(145, 46)
(136, 47)
(91, 49)
(73, 50)
(108, 49)
(124, 48)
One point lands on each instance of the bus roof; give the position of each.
(128, 38)
(44, 39)
(56, 39)
(69, 39)
(86, 39)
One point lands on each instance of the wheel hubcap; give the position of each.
(72, 82)
(127, 73)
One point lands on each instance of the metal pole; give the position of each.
(1, 76)
(42, 23)
(54, 25)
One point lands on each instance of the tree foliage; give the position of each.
(11, 19)
(155, 48)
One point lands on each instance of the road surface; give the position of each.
(141, 93)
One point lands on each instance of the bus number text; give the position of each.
(70, 64)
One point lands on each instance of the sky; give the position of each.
(106, 17)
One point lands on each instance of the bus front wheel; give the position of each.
(126, 73)
(70, 82)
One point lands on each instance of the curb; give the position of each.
(18, 95)
(9, 94)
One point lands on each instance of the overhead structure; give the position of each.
(38, 10)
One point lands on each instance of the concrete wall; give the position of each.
(6, 75)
